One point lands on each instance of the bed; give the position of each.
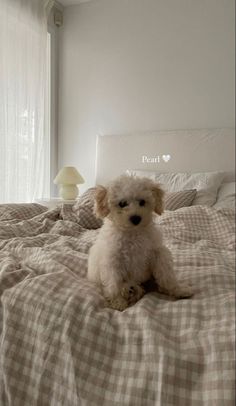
(62, 345)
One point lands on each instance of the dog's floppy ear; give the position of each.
(101, 203)
(158, 194)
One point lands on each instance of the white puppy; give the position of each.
(129, 249)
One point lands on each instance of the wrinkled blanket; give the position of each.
(61, 346)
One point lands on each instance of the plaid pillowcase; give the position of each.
(20, 211)
(84, 210)
(176, 200)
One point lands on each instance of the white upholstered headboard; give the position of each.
(166, 151)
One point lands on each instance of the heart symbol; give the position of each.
(166, 158)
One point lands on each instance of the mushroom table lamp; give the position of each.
(68, 178)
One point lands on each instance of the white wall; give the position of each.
(138, 65)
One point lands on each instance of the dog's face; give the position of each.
(129, 202)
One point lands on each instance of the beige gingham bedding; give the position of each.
(60, 345)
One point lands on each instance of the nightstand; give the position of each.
(54, 202)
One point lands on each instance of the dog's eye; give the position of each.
(123, 203)
(142, 202)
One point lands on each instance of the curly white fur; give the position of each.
(129, 249)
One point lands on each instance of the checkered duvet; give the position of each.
(61, 346)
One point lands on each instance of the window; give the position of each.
(25, 120)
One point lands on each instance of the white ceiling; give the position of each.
(72, 2)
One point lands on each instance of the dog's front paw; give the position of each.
(183, 291)
(118, 303)
(132, 292)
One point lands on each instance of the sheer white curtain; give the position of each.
(24, 138)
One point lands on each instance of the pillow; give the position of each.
(176, 200)
(206, 183)
(20, 211)
(84, 210)
(226, 196)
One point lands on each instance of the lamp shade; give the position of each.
(68, 175)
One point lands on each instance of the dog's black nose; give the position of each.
(135, 219)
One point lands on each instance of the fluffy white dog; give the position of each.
(129, 249)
